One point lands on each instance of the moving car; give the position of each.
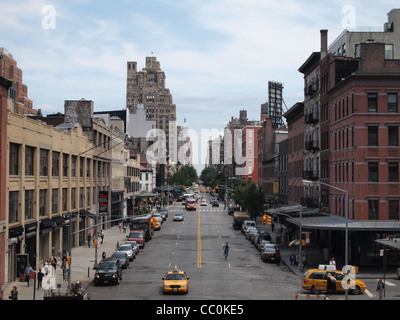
(109, 270)
(127, 248)
(178, 217)
(203, 202)
(190, 204)
(175, 281)
(123, 258)
(215, 203)
(316, 280)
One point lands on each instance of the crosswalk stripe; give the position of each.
(368, 293)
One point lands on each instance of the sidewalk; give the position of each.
(315, 257)
(82, 259)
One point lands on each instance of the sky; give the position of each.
(217, 55)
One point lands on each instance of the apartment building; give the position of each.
(50, 190)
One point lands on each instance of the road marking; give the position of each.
(368, 293)
(390, 284)
(198, 241)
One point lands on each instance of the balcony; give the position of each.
(312, 145)
(310, 175)
(311, 118)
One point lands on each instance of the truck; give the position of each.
(143, 222)
(238, 218)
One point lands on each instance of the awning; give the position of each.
(14, 232)
(46, 226)
(85, 213)
(393, 243)
(58, 222)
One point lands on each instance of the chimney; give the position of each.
(324, 43)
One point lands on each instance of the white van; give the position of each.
(246, 224)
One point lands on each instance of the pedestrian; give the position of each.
(54, 263)
(292, 259)
(331, 283)
(99, 241)
(1, 292)
(124, 226)
(272, 226)
(46, 267)
(380, 287)
(104, 255)
(14, 294)
(64, 265)
(89, 239)
(40, 276)
(332, 262)
(102, 236)
(28, 270)
(120, 226)
(280, 229)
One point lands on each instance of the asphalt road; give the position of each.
(195, 245)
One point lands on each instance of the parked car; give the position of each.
(127, 248)
(138, 236)
(164, 213)
(250, 230)
(135, 246)
(246, 224)
(261, 244)
(271, 254)
(178, 217)
(262, 235)
(108, 270)
(123, 258)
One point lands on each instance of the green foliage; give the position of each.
(250, 197)
(185, 176)
(211, 177)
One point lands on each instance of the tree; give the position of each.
(249, 196)
(185, 176)
(211, 177)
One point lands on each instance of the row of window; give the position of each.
(51, 165)
(78, 201)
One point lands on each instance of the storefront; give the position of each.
(15, 236)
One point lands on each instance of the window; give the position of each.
(392, 102)
(373, 172)
(55, 172)
(393, 172)
(372, 136)
(64, 199)
(42, 203)
(65, 165)
(373, 209)
(73, 198)
(389, 52)
(81, 197)
(13, 206)
(28, 204)
(29, 160)
(393, 209)
(73, 166)
(393, 138)
(14, 159)
(372, 102)
(81, 161)
(54, 201)
(44, 162)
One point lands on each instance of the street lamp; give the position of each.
(346, 252)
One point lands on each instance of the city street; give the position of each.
(242, 276)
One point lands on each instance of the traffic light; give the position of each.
(264, 221)
(268, 220)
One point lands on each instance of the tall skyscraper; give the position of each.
(147, 88)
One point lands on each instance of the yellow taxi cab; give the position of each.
(176, 281)
(316, 280)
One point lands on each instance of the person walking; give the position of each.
(27, 272)
(102, 236)
(64, 267)
(380, 287)
(40, 276)
(14, 294)
(46, 267)
(89, 239)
